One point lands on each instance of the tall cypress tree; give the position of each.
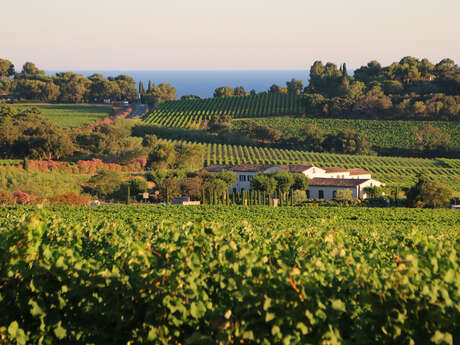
(141, 88)
(344, 70)
(150, 87)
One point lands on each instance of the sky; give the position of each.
(224, 35)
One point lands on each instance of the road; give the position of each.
(139, 110)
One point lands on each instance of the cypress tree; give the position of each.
(149, 89)
(26, 164)
(128, 195)
(344, 70)
(141, 88)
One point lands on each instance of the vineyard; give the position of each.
(229, 275)
(379, 133)
(190, 113)
(390, 170)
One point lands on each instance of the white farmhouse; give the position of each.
(324, 182)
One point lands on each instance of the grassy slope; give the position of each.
(380, 133)
(73, 115)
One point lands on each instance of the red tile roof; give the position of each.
(358, 171)
(336, 182)
(330, 170)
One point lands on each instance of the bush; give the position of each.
(69, 199)
(344, 194)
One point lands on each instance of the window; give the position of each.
(308, 194)
(333, 194)
(250, 177)
(320, 194)
(242, 178)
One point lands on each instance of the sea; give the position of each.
(203, 83)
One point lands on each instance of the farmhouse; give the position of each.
(324, 182)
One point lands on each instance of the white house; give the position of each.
(324, 182)
(325, 188)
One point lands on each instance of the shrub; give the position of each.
(69, 199)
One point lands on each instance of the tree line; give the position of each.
(408, 89)
(66, 87)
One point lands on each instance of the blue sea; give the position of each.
(203, 83)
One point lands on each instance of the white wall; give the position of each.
(329, 191)
(240, 185)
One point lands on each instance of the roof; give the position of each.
(217, 167)
(330, 170)
(358, 171)
(252, 167)
(336, 182)
(299, 167)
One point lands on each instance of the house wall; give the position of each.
(243, 181)
(329, 191)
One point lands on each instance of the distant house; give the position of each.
(324, 182)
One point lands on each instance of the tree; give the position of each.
(294, 87)
(189, 157)
(219, 123)
(430, 138)
(127, 87)
(347, 141)
(163, 156)
(74, 88)
(239, 91)
(428, 194)
(6, 68)
(301, 182)
(264, 183)
(30, 71)
(161, 93)
(190, 97)
(141, 88)
(344, 194)
(284, 180)
(224, 91)
(191, 186)
(312, 137)
(274, 89)
(106, 183)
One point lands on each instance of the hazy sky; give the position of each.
(216, 34)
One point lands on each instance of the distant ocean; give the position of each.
(203, 83)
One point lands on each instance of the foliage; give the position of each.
(388, 137)
(252, 275)
(105, 183)
(343, 194)
(180, 156)
(428, 193)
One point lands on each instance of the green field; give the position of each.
(190, 113)
(229, 275)
(73, 115)
(380, 133)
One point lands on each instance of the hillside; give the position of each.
(190, 113)
(390, 170)
(383, 135)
